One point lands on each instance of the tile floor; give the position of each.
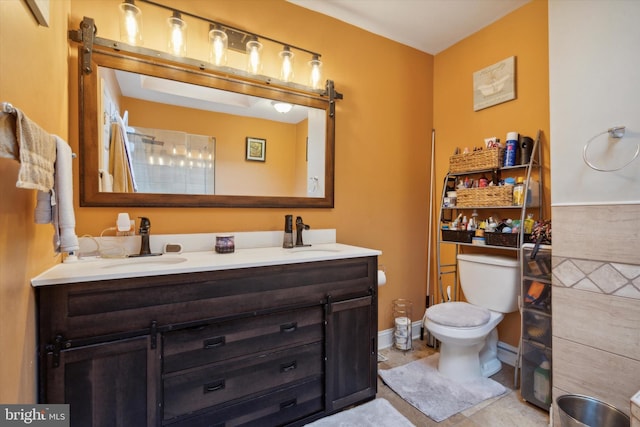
(508, 410)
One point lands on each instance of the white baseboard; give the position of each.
(385, 338)
(506, 353)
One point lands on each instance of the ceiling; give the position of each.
(430, 26)
(164, 91)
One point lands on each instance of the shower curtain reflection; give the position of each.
(166, 161)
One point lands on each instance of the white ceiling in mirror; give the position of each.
(173, 92)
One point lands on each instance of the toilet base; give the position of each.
(489, 362)
(459, 362)
(465, 362)
(491, 367)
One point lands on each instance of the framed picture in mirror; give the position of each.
(256, 149)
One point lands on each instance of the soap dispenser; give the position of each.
(288, 232)
(542, 382)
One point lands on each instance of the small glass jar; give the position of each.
(225, 244)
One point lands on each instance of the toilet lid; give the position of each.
(458, 314)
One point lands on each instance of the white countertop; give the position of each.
(94, 269)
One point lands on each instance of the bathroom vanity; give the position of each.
(262, 337)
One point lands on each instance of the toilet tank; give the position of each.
(490, 281)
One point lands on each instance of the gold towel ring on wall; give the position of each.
(616, 132)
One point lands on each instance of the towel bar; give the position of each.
(6, 107)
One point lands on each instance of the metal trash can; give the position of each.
(583, 411)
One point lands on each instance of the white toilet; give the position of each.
(467, 331)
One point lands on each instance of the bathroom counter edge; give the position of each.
(98, 269)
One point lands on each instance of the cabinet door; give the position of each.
(351, 351)
(106, 385)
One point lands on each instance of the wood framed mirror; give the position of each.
(132, 106)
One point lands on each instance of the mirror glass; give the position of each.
(155, 134)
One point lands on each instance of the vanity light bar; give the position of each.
(244, 42)
(86, 35)
(237, 32)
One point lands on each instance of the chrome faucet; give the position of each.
(145, 226)
(300, 225)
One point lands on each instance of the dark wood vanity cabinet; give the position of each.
(264, 346)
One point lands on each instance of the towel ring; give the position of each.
(616, 132)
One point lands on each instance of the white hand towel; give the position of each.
(35, 149)
(44, 210)
(64, 220)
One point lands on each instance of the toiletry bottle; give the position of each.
(541, 383)
(518, 192)
(495, 177)
(288, 232)
(473, 222)
(528, 224)
(511, 149)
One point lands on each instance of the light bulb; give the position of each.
(315, 77)
(254, 56)
(286, 70)
(219, 42)
(130, 23)
(177, 35)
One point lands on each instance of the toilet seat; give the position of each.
(458, 314)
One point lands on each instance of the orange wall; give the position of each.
(522, 34)
(234, 174)
(33, 77)
(383, 134)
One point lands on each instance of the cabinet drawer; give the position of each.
(195, 389)
(536, 295)
(536, 327)
(277, 408)
(536, 382)
(538, 268)
(219, 341)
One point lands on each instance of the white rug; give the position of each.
(420, 384)
(377, 413)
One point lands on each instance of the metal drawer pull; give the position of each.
(288, 367)
(289, 404)
(214, 342)
(289, 327)
(214, 386)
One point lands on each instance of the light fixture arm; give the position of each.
(245, 35)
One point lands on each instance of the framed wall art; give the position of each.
(40, 10)
(256, 149)
(494, 84)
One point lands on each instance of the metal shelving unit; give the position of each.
(534, 166)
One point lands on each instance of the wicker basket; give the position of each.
(505, 239)
(485, 196)
(489, 158)
(459, 236)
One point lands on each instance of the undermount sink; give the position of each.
(152, 260)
